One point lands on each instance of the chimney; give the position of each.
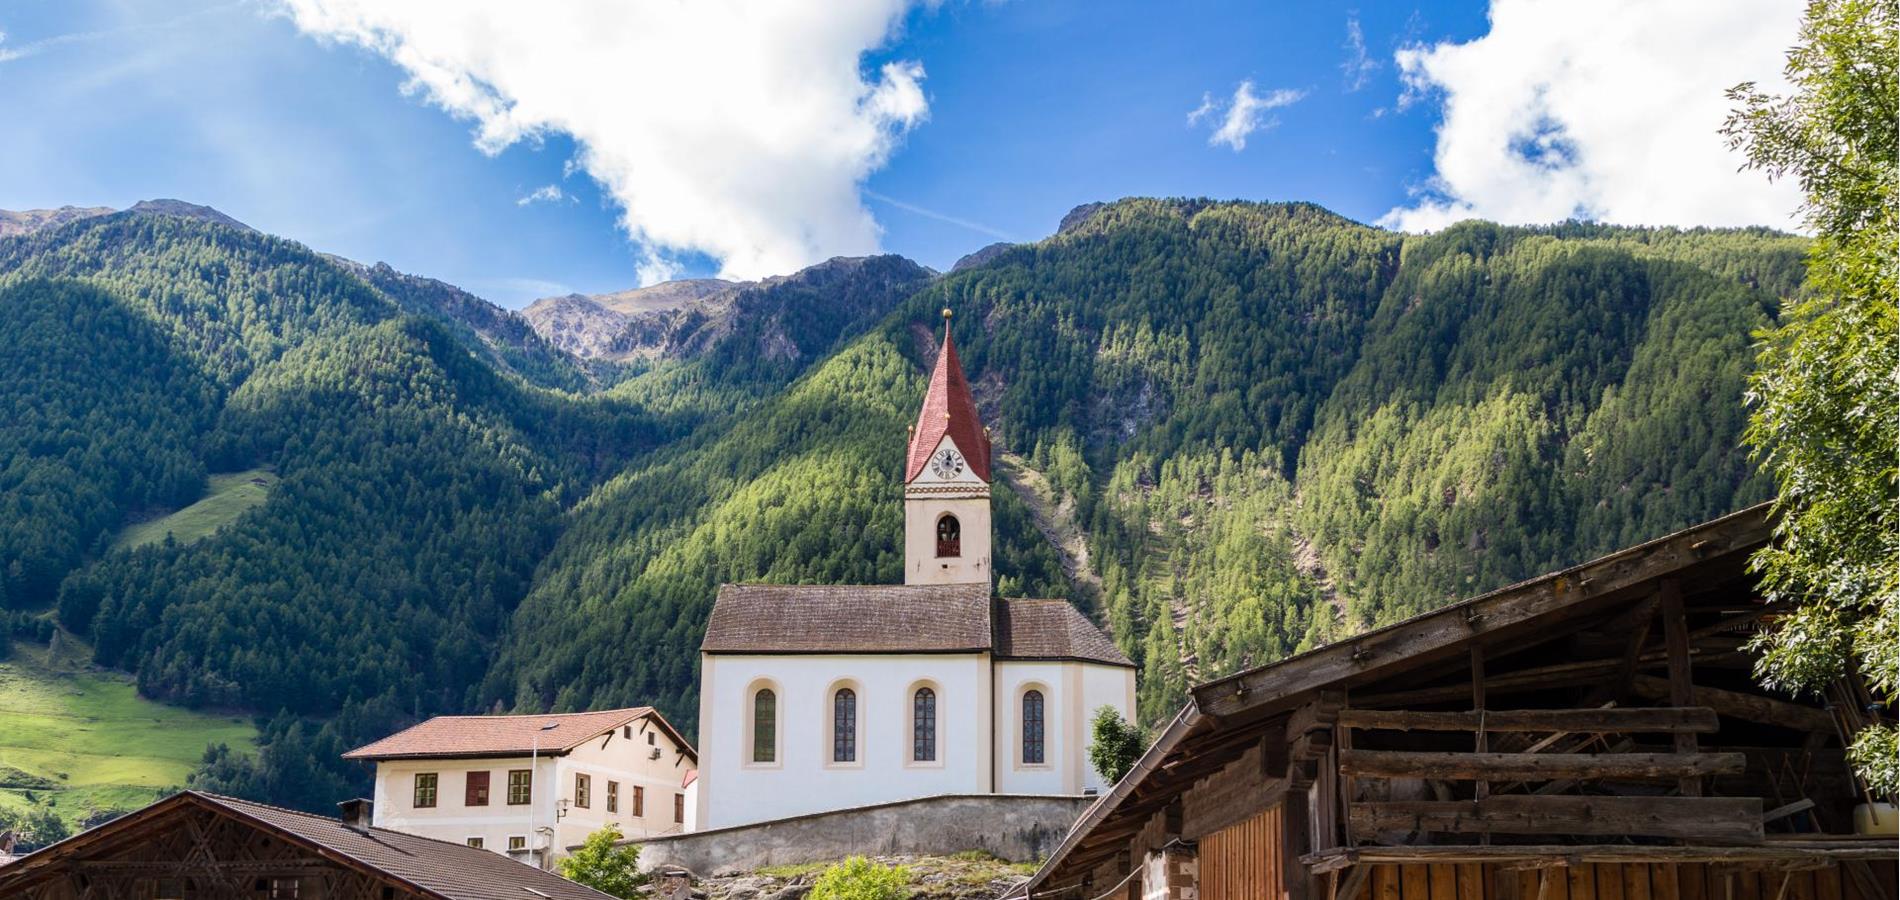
(357, 812)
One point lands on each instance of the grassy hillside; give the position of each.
(80, 740)
(227, 496)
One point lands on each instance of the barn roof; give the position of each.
(439, 869)
(1225, 717)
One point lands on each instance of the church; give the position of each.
(823, 697)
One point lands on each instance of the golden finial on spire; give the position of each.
(946, 313)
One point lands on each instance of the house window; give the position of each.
(923, 726)
(651, 739)
(613, 796)
(679, 809)
(425, 790)
(1032, 728)
(475, 842)
(949, 536)
(844, 726)
(279, 888)
(517, 842)
(639, 801)
(583, 790)
(475, 789)
(520, 787)
(764, 726)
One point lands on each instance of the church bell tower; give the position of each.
(947, 482)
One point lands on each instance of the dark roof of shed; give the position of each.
(441, 869)
(1218, 710)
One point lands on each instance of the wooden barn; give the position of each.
(197, 846)
(1593, 734)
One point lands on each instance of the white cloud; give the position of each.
(1605, 110)
(1359, 66)
(738, 130)
(549, 193)
(1243, 115)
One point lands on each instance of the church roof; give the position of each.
(948, 410)
(849, 618)
(1052, 629)
(900, 618)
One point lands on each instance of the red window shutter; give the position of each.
(639, 801)
(476, 791)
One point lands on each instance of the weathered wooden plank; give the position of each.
(1610, 720)
(1444, 878)
(1470, 881)
(1681, 684)
(1416, 882)
(1665, 881)
(1388, 649)
(1609, 881)
(1635, 881)
(1749, 707)
(1583, 881)
(1385, 882)
(1535, 766)
(1721, 819)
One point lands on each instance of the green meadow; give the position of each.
(81, 740)
(230, 495)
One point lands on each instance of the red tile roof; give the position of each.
(948, 410)
(467, 736)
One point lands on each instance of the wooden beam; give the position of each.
(1681, 685)
(1774, 851)
(1536, 766)
(1719, 819)
(1609, 720)
(1748, 707)
(1394, 647)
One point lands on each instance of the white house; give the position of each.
(821, 697)
(532, 786)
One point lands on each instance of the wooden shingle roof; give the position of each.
(771, 619)
(852, 618)
(1052, 629)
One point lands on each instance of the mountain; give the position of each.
(596, 326)
(1229, 430)
(17, 222)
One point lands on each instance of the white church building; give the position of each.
(822, 697)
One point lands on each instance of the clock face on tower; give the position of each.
(947, 464)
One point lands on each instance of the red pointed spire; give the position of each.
(948, 409)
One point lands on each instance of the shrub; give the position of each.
(604, 866)
(858, 878)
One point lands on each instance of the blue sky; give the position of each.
(959, 124)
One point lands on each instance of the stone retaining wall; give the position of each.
(1014, 827)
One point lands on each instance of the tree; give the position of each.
(1115, 745)
(601, 864)
(1824, 393)
(858, 878)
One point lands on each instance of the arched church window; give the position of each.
(1032, 728)
(764, 726)
(949, 536)
(844, 726)
(923, 726)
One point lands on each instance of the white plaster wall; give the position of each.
(1071, 691)
(612, 757)
(451, 819)
(734, 791)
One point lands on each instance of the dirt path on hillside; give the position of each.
(1055, 520)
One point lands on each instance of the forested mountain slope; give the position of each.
(1271, 424)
